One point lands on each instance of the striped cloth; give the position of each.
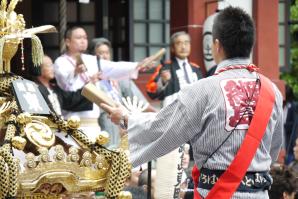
(199, 115)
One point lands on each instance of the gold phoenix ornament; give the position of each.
(12, 33)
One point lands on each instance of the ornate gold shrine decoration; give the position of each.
(51, 173)
(103, 138)
(18, 142)
(46, 167)
(12, 33)
(73, 122)
(39, 134)
(35, 160)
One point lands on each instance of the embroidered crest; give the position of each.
(240, 99)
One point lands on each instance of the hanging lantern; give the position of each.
(207, 42)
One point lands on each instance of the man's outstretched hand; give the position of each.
(116, 113)
(146, 64)
(150, 62)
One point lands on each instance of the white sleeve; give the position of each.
(277, 135)
(64, 73)
(277, 139)
(152, 135)
(118, 70)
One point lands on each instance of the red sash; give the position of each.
(229, 181)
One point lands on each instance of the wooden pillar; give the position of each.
(266, 51)
(189, 16)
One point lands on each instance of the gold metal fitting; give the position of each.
(103, 138)
(125, 195)
(19, 142)
(73, 122)
(24, 118)
(39, 134)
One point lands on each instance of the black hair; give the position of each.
(68, 32)
(284, 181)
(289, 94)
(235, 30)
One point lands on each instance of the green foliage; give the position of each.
(291, 77)
(294, 10)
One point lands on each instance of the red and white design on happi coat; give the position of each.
(239, 101)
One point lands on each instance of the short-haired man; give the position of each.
(75, 68)
(176, 73)
(232, 119)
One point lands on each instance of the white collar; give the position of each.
(181, 61)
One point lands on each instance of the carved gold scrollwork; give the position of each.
(73, 154)
(44, 155)
(86, 159)
(101, 162)
(60, 154)
(31, 163)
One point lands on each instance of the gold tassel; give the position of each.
(37, 51)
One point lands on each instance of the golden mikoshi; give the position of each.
(36, 159)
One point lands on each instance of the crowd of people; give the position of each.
(202, 122)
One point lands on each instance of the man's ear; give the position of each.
(286, 195)
(217, 45)
(67, 41)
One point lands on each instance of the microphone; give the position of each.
(98, 63)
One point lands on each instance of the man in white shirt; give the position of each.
(74, 69)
